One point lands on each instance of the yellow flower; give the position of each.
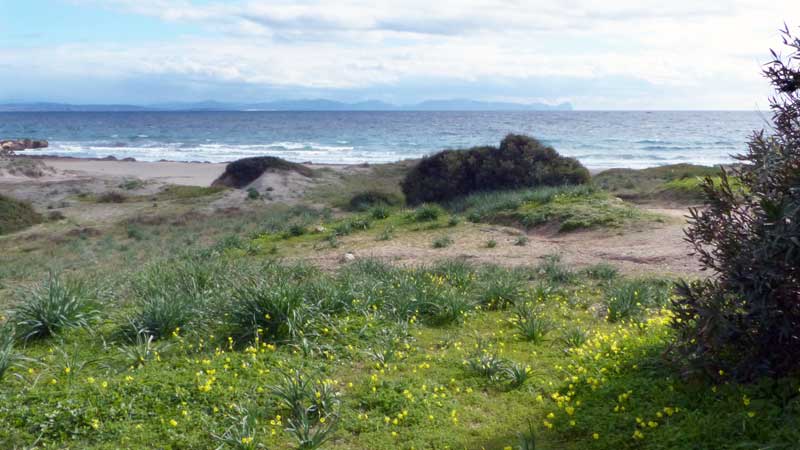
(247, 440)
(173, 422)
(595, 436)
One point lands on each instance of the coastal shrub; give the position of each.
(52, 306)
(363, 201)
(745, 319)
(519, 162)
(111, 197)
(16, 215)
(242, 172)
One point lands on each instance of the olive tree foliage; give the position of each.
(744, 320)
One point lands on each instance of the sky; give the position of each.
(611, 54)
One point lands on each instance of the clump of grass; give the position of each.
(574, 337)
(491, 243)
(531, 324)
(552, 269)
(179, 192)
(517, 374)
(442, 242)
(380, 212)
(131, 184)
(142, 349)
(170, 296)
(387, 234)
(311, 408)
(453, 221)
(444, 306)
(630, 299)
(498, 288)
(8, 356)
(135, 232)
(54, 305)
(521, 240)
(266, 309)
(601, 272)
(428, 213)
(242, 432)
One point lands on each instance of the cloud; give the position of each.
(673, 48)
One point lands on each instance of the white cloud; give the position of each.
(680, 45)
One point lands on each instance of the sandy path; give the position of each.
(657, 249)
(193, 174)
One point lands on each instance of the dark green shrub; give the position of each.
(252, 194)
(240, 173)
(745, 319)
(519, 162)
(366, 200)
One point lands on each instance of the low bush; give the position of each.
(111, 197)
(16, 215)
(519, 161)
(240, 173)
(366, 200)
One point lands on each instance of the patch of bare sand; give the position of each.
(658, 249)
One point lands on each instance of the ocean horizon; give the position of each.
(599, 139)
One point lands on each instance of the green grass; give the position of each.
(16, 215)
(678, 183)
(380, 357)
(563, 208)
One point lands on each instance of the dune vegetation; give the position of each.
(171, 320)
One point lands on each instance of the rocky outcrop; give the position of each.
(21, 144)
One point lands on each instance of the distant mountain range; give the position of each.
(291, 105)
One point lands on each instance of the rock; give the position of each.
(22, 144)
(109, 158)
(128, 159)
(319, 229)
(348, 257)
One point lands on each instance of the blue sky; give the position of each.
(615, 54)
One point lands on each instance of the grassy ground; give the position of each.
(16, 215)
(177, 328)
(448, 356)
(564, 208)
(677, 183)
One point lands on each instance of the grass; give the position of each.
(248, 351)
(563, 208)
(16, 215)
(678, 182)
(378, 357)
(53, 306)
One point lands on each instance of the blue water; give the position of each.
(598, 139)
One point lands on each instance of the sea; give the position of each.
(599, 139)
